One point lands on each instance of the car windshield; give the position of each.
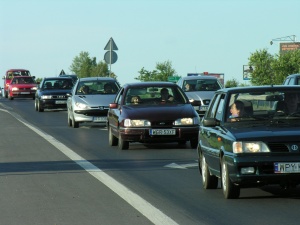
(201, 85)
(263, 106)
(58, 84)
(23, 80)
(154, 95)
(95, 87)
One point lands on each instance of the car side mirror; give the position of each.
(210, 122)
(113, 105)
(195, 102)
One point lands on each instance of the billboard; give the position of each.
(284, 47)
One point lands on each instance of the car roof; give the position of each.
(293, 75)
(261, 88)
(151, 83)
(12, 70)
(199, 78)
(57, 78)
(96, 78)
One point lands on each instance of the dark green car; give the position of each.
(250, 137)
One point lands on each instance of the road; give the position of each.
(54, 174)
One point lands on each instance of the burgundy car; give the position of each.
(22, 87)
(152, 112)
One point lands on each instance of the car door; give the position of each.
(211, 136)
(115, 112)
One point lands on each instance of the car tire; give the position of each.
(112, 140)
(74, 123)
(194, 143)
(208, 181)
(40, 108)
(69, 120)
(230, 190)
(35, 105)
(123, 145)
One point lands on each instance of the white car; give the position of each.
(89, 100)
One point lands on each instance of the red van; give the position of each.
(10, 74)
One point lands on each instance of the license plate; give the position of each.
(203, 108)
(287, 167)
(25, 93)
(60, 102)
(100, 119)
(162, 132)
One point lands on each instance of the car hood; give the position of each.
(94, 100)
(200, 95)
(161, 112)
(265, 132)
(55, 92)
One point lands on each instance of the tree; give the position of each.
(162, 72)
(85, 66)
(231, 83)
(269, 69)
(287, 63)
(263, 73)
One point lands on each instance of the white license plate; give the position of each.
(287, 167)
(100, 119)
(203, 108)
(60, 102)
(25, 93)
(162, 132)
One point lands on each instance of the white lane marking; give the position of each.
(181, 166)
(147, 209)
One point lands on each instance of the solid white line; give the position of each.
(141, 205)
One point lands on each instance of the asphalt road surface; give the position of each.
(54, 174)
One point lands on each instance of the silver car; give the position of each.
(89, 100)
(200, 89)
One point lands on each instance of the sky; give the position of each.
(196, 36)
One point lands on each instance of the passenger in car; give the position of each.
(292, 102)
(236, 110)
(136, 100)
(84, 90)
(165, 96)
(108, 88)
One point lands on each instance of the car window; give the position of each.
(152, 95)
(201, 85)
(212, 110)
(94, 87)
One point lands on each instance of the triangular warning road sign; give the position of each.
(111, 45)
(62, 72)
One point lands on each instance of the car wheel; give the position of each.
(40, 108)
(33, 97)
(194, 143)
(74, 123)
(6, 94)
(123, 145)
(35, 105)
(69, 120)
(208, 181)
(112, 140)
(230, 190)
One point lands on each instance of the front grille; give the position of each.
(278, 147)
(165, 123)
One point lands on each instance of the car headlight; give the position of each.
(15, 89)
(46, 97)
(136, 123)
(34, 88)
(249, 147)
(81, 105)
(187, 121)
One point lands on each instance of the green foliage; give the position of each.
(162, 72)
(85, 66)
(231, 83)
(262, 73)
(269, 69)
